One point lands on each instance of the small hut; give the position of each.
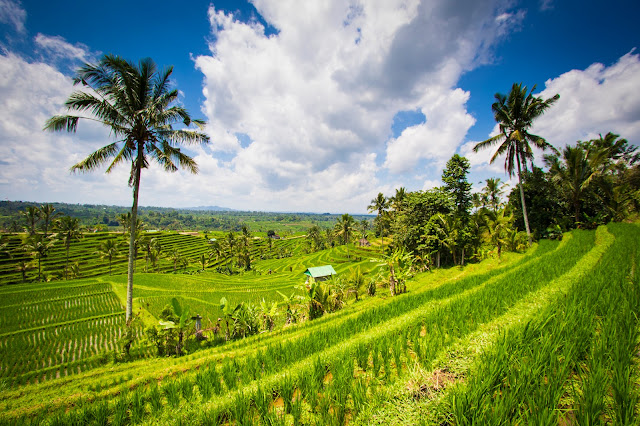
(320, 273)
(363, 242)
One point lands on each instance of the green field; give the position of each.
(545, 337)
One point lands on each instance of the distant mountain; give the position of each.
(210, 209)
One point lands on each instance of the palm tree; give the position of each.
(48, 214)
(379, 205)
(398, 200)
(125, 220)
(344, 228)
(364, 227)
(176, 257)
(31, 215)
(109, 249)
(68, 230)
(314, 236)
(515, 114)
(573, 173)
(492, 192)
(38, 247)
(135, 103)
(498, 226)
(23, 267)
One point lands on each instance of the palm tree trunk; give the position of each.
(524, 206)
(66, 264)
(132, 238)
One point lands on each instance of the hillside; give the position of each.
(547, 336)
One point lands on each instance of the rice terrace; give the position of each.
(331, 244)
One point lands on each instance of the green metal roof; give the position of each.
(320, 271)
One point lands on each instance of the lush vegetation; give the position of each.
(431, 349)
(449, 312)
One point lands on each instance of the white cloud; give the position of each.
(594, 101)
(597, 100)
(438, 138)
(12, 13)
(318, 98)
(316, 103)
(58, 48)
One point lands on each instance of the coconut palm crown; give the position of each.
(515, 114)
(135, 101)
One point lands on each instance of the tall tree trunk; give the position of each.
(524, 206)
(392, 281)
(132, 237)
(66, 264)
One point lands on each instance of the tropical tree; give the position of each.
(23, 267)
(38, 247)
(314, 236)
(573, 173)
(492, 192)
(176, 257)
(498, 227)
(31, 216)
(109, 249)
(379, 205)
(344, 228)
(268, 312)
(356, 282)
(398, 199)
(155, 254)
(125, 220)
(364, 227)
(48, 215)
(399, 264)
(68, 230)
(515, 114)
(136, 103)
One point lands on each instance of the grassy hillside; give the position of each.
(547, 337)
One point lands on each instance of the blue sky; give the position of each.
(313, 106)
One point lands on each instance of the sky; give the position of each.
(313, 106)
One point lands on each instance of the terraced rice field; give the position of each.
(549, 337)
(54, 330)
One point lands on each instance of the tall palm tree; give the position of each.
(125, 220)
(31, 216)
(573, 173)
(492, 191)
(398, 199)
(109, 249)
(515, 114)
(314, 236)
(68, 230)
(136, 103)
(38, 247)
(379, 204)
(344, 228)
(48, 215)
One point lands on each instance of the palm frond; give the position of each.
(96, 158)
(58, 123)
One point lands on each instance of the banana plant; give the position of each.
(181, 325)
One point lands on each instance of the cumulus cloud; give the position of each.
(35, 164)
(596, 100)
(58, 48)
(593, 101)
(12, 13)
(317, 99)
(438, 138)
